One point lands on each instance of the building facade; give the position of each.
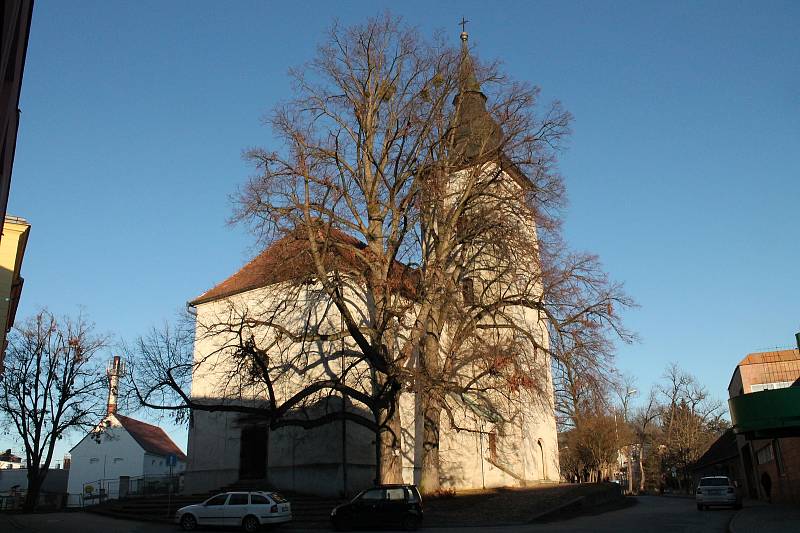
(12, 251)
(16, 25)
(764, 403)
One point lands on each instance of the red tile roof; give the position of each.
(290, 258)
(777, 356)
(151, 438)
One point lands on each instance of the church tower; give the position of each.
(514, 440)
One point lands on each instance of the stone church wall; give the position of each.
(312, 461)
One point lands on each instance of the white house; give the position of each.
(8, 460)
(119, 455)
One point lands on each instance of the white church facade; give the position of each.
(338, 458)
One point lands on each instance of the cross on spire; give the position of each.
(463, 24)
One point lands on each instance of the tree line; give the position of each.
(658, 440)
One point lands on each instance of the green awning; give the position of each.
(767, 413)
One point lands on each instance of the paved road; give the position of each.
(652, 513)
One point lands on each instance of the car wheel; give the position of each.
(250, 524)
(188, 522)
(699, 507)
(411, 522)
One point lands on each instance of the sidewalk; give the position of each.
(758, 517)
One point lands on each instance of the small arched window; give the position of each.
(543, 468)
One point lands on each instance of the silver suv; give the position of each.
(717, 490)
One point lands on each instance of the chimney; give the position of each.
(115, 369)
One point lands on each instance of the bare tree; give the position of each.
(420, 189)
(52, 384)
(645, 429)
(691, 419)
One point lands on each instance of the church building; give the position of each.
(338, 458)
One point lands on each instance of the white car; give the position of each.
(250, 510)
(717, 490)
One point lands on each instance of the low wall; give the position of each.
(202, 481)
(55, 481)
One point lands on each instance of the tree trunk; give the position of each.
(34, 488)
(431, 412)
(630, 471)
(641, 468)
(389, 462)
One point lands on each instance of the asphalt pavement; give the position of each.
(652, 513)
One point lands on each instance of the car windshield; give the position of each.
(714, 482)
(219, 499)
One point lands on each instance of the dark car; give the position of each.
(382, 506)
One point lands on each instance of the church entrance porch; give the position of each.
(253, 453)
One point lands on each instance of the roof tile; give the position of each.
(151, 438)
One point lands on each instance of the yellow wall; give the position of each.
(12, 249)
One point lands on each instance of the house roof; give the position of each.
(290, 258)
(777, 356)
(722, 449)
(151, 438)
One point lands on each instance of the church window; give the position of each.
(94, 460)
(118, 459)
(468, 291)
(493, 446)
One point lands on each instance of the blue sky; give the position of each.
(683, 171)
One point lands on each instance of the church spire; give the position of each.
(467, 82)
(475, 133)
